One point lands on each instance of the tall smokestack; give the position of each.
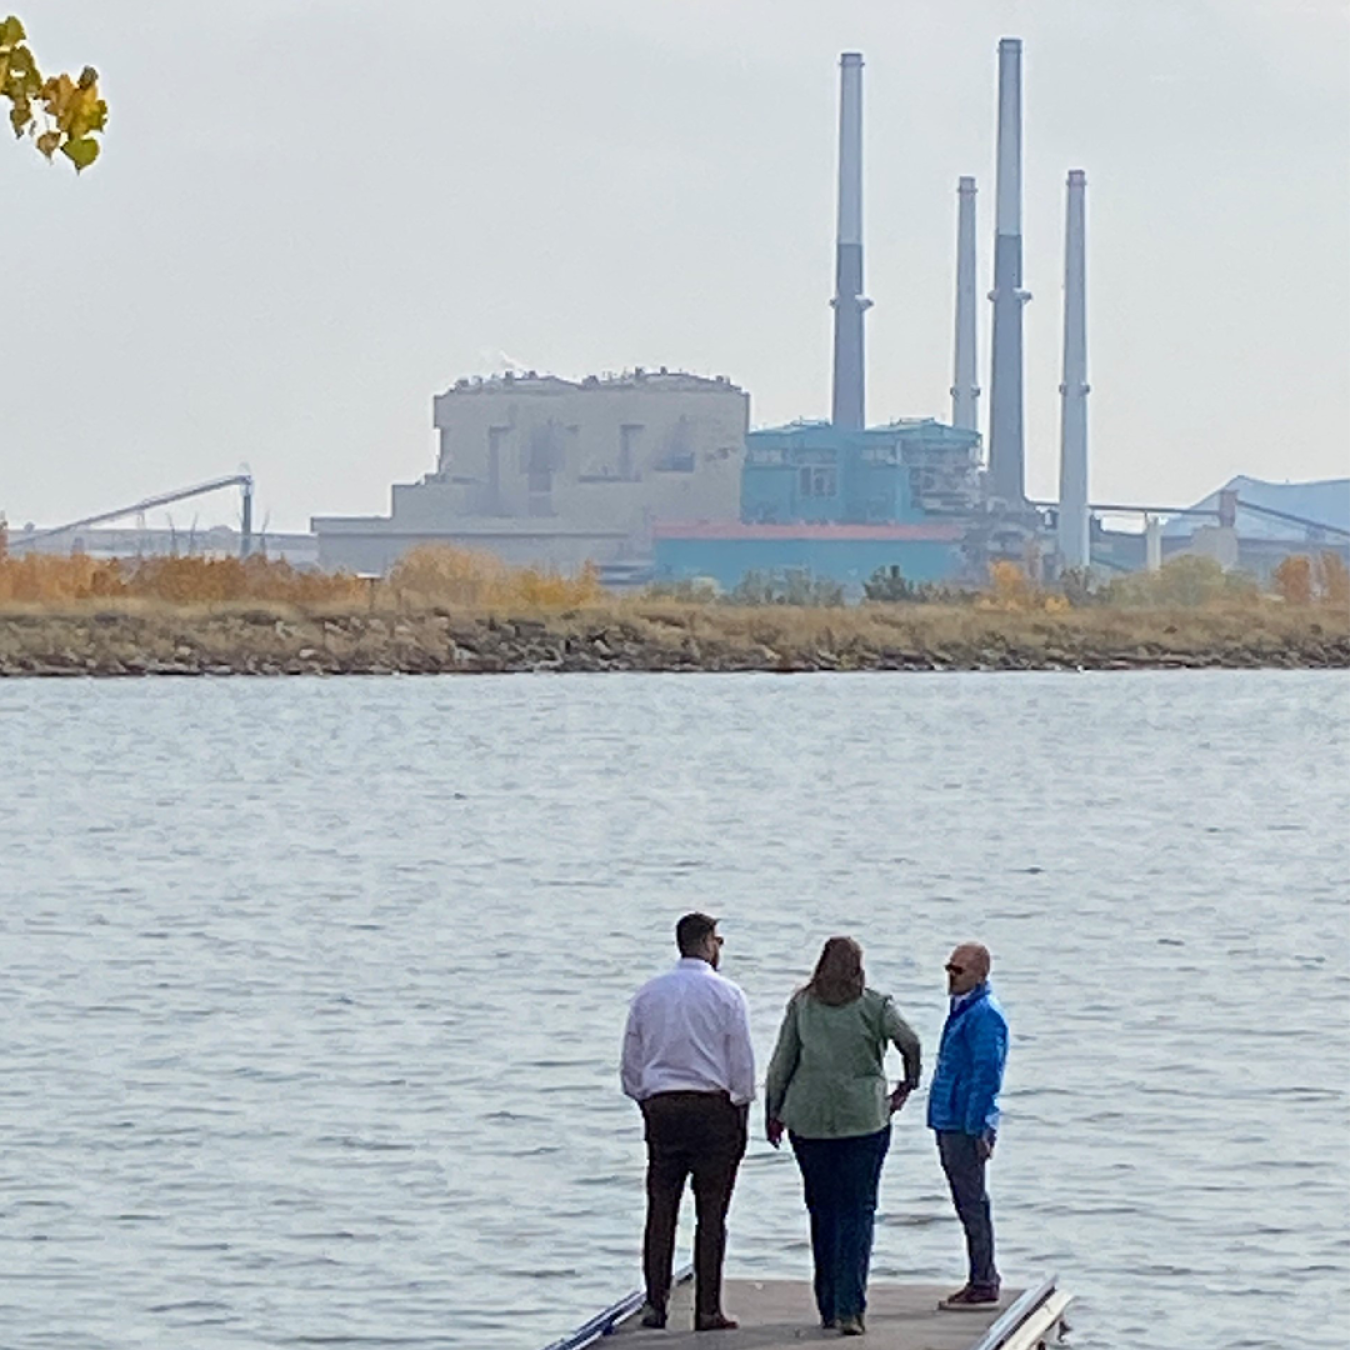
(1074, 545)
(1007, 459)
(849, 408)
(965, 390)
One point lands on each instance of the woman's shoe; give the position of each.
(851, 1326)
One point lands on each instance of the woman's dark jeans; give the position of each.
(840, 1177)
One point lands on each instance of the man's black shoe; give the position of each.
(973, 1296)
(655, 1318)
(715, 1322)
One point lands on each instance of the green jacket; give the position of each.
(827, 1077)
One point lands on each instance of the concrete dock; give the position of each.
(781, 1315)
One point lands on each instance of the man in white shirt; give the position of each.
(689, 1064)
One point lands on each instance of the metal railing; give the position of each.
(603, 1323)
(1016, 1314)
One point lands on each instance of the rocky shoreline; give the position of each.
(263, 642)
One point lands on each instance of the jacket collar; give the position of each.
(961, 1006)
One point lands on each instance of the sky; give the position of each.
(312, 215)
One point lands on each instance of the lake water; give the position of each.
(313, 990)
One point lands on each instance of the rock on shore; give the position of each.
(263, 642)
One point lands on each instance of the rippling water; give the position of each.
(312, 991)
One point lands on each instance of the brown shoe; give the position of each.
(973, 1296)
(717, 1322)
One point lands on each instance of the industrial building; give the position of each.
(839, 504)
(656, 475)
(552, 472)
(1247, 525)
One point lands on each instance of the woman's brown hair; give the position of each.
(838, 977)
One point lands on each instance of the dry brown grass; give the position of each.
(58, 581)
(221, 608)
(920, 628)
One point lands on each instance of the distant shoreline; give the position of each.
(641, 636)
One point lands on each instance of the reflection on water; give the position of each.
(312, 991)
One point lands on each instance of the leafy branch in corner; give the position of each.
(70, 110)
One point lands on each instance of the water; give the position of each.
(312, 991)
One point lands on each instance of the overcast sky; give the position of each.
(312, 215)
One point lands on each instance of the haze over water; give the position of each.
(312, 991)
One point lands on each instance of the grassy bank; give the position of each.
(125, 637)
(446, 610)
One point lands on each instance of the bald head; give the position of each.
(967, 967)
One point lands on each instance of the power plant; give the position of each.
(913, 499)
(655, 474)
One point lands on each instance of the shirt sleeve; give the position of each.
(902, 1035)
(783, 1064)
(988, 1054)
(740, 1053)
(630, 1064)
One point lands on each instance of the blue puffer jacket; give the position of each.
(964, 1093)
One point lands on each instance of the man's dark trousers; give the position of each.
(698, 1134)
(961, 1161)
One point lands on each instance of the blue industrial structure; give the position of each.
(726, 553)
(840, 504)
(905, 472)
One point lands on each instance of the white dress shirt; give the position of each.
(689, 1031)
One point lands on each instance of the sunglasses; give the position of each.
(952, 969)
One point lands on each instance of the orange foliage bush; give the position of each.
(1333, 580)
(456, 576)
(430, 574)
(43, 578)
(1011, 589)
(1294, 580)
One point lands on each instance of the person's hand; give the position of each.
(900, 1096)
(773, 1131)
(984, 1145)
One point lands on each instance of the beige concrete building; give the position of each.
(557, 472)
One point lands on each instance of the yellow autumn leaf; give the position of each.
(71, 108)
(81, 152)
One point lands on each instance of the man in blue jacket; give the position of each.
(963, 1111)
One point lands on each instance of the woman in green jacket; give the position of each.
(827, 1087)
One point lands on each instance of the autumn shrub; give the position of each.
(793, 586)
(1011, 590)
(197, 580)
(440, 574)
(1185, 582)
(1293, 580)
(1333, 580)
(41, 578)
